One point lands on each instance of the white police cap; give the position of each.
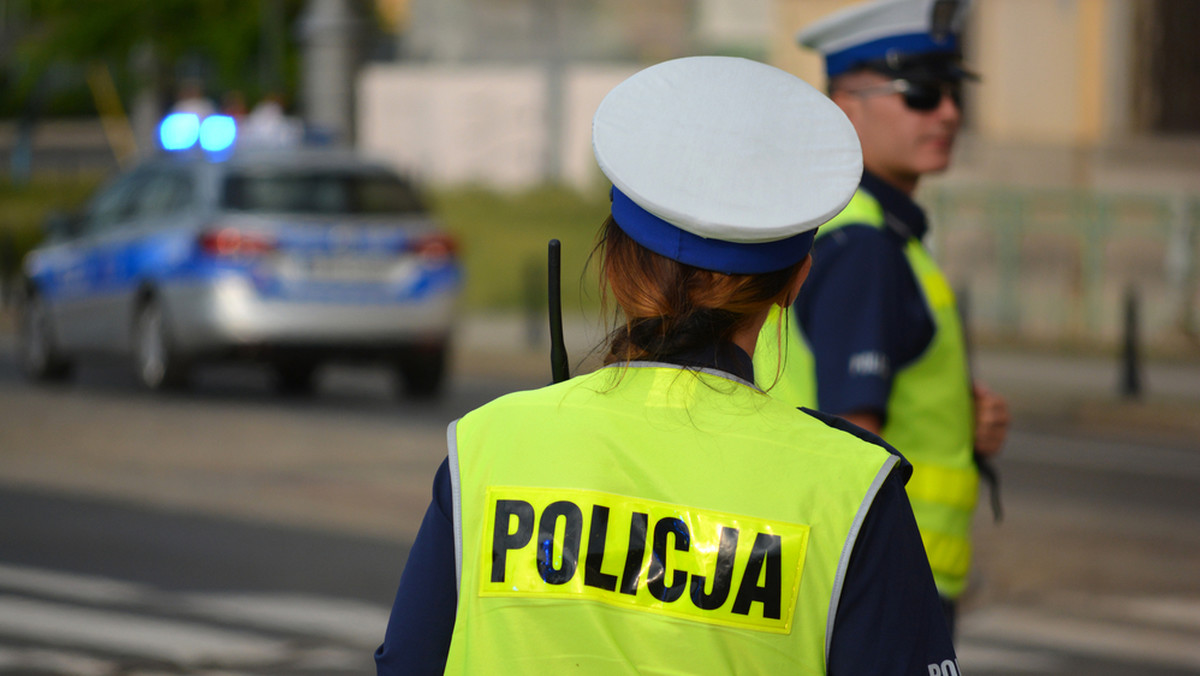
(724, 163)
(884, 30)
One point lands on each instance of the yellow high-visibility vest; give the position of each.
(652, 519)
(930, 414)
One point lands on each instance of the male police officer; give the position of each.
(889, 354)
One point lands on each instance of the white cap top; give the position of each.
(873, 30)
(726, 149)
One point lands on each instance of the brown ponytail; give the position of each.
(671, 307)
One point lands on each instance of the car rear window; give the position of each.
(320, 193)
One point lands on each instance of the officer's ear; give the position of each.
(849, 103)
(798, 281)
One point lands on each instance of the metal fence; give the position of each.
(1060, 266)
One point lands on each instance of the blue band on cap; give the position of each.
(837, 63)
(665, 239)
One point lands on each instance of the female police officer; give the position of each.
(662, 514)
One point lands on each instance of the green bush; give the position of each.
(24, 208)
(504, 237)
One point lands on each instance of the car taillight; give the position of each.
(231, 242)
(434, 247)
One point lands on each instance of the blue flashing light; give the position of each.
(217, 133)
(179, 131)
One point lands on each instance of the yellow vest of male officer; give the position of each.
(930, 415)
(652, 519)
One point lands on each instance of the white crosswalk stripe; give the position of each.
(1179, 613)
(57, 585)
(1152, 631)
(53, 661)
(353, 622)
(184, 643)
(976, 657)
(62, 623)
(59, 623)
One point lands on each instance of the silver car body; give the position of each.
(232, 274)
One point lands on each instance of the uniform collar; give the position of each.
(725, 357)
(903, 215)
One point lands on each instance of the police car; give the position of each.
(292, 256)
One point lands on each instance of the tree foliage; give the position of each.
(243, 45)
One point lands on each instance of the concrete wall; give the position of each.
(481, 124)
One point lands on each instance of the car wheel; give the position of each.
(39, 358)
(421, 372)
(157, 365)
(296, 378)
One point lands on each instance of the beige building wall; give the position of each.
(455, 124)
(1055, 104)
(1046, 66)
(790, 17)
(1061, 197)
(1045, 71)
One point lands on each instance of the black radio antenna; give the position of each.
(559, 368)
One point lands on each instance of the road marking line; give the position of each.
(177, 642)
(336, 659)
(70, 586)
(359, 623)
(40, 660)
(1153, 610)
(1088, 637)
(356, 622)
(1096, 454)
(1157, 611)
(1181, 613)
(974, 656)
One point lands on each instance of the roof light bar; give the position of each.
(179, 131)
(217, 133)
(182, 131)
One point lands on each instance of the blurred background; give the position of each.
(227, 530)
(1074, 186)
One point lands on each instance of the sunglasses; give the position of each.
(920, 95)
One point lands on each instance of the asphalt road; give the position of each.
(228, 531)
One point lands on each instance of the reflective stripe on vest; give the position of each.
(599, 516)
(930, 413)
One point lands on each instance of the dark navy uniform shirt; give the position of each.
(861, 309)
(889, 619)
